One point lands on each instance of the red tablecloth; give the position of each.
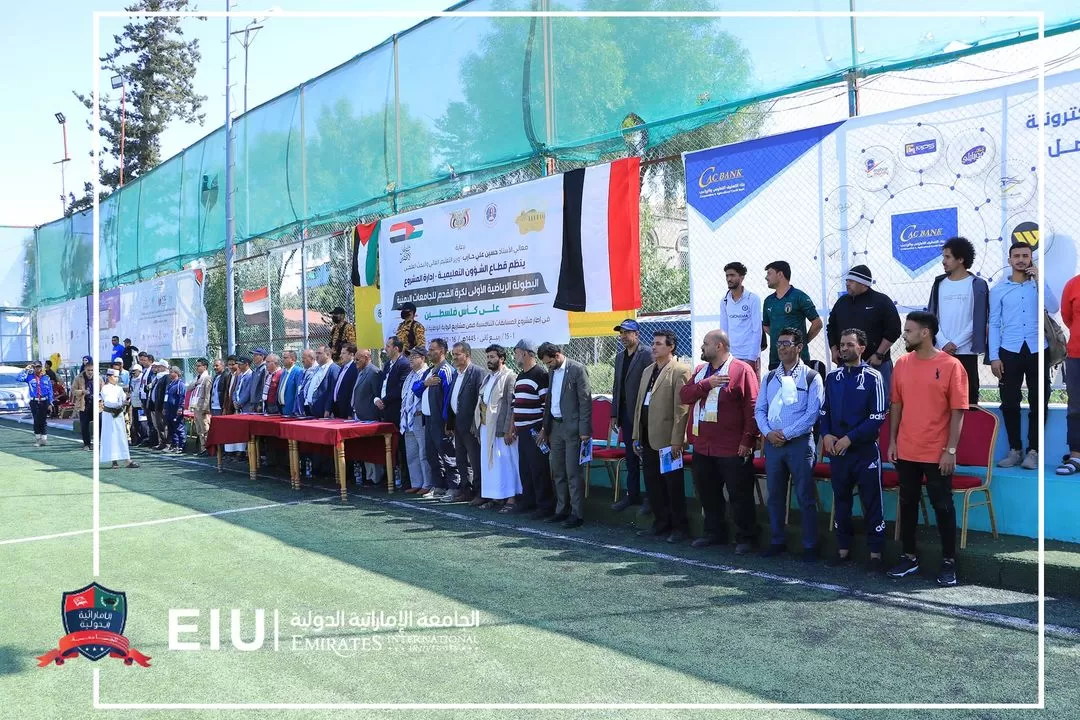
(225, 429)
(363, 440)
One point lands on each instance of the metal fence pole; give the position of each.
(230, 221)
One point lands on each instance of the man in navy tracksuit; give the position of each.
(851, 417)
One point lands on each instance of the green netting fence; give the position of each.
(458, 101)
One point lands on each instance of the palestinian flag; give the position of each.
(601, 257)
(257, 306)
(365, 246)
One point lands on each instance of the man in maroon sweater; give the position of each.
(722, 392)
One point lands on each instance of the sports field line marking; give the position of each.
(956, 611)
(162, 521)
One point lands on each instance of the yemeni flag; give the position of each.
(601, 257)
(257, 306)
(365, 265)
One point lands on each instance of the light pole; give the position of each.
(248, 34)
(230, 222)
(118, 83)
(63, 185)
(249, 37)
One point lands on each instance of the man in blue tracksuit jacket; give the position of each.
(854, 409)
(175, 394)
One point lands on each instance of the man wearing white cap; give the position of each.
(873, 312)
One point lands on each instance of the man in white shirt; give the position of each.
(740, 317)
(961, 303)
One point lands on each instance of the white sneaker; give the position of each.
(44, 439)
(1031, 460)
(1011, 460)
(37, 441)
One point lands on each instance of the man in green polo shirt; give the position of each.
(787, 306)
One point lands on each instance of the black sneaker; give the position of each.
(838, 560)
(905, 567)
(774, 550)
(947, 576)
(876, 566)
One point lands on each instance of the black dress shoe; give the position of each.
(558, 518)
(625, 502)
(774, 550)
(542, 514)
(676, 537)
(572, 522)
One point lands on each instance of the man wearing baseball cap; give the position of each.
(865, 309)
(342, 333)
(629, 364)
(41, 397)
(410, 331)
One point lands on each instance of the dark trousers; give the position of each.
(467, 456)
(86, 429)
(633, 462)
(666, 493)
(711, 476)
(392, 414)
(939, 488)
(177, 429)
(138, 426)
(40, 411)
(795, 461)
(971, 367)
(535, 470)
(152, 434)
(1019, 368)
(1072, 387)
(441, 455)
(859, 467)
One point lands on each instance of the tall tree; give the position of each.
(157, 65)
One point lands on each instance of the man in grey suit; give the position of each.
(367, 388)
(464, 394)
(567, 424)
(258, 378)
(629, 364)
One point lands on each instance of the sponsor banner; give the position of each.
(165, 316)
(482, 270)
(887, 191)
(64, 329)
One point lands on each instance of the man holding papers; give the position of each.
(660, 424)
(721, 396)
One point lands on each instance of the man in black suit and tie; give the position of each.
(341, 403)
(464, 394)
(394, 373)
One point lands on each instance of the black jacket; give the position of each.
(872, 312)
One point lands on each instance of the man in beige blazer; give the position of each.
(200, 402)
(660, 424)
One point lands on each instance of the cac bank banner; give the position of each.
(514, 263)
(64, 329)
(887, 191)
(165, 316)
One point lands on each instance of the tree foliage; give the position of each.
(158, 67)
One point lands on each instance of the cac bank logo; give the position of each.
(920, 148)
(917, 237)
(711, 176)
(459, 219)
(530, 221)
(94, 619)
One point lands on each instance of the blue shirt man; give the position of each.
(786, 410)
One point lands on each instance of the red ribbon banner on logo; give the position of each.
(69, 648)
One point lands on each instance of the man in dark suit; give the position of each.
(366, 387)
(325, 379)
(242, 398)
(394, 373)
(464, 394)
(341, 403)
(434, 394)
(258, 378)
(629, 364)
(567, 424)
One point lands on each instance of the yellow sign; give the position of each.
(530, 221)
(593, 324)
(369, 329)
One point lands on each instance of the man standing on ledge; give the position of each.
(787, 307)
(929, 397)
(567, 424)
(864, 308)
(410, 331)
(342, 333)
(629, 364)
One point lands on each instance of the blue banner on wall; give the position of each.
(720, 179)
(917, 237)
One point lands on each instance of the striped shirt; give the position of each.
(529, 392)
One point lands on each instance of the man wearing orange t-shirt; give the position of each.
(1070, 315)
(929, 397)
